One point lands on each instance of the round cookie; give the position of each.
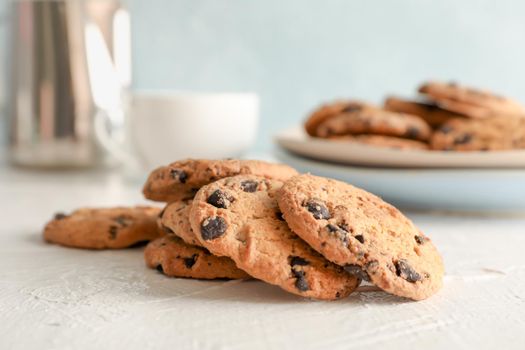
(383, 141)
(357, 230)
(468, 101)
(376, 121)
(329, 110)
(103, 228)
(238, 217)
(180, 180)
(429, 111)
(175, 220)
(174, 258)
(490, 134)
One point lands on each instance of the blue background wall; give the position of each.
(297, 53)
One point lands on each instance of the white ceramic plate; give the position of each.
(472, 190)
(297, 141)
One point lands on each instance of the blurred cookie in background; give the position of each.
(332, 109)
(430, 111)
(490, 134)
(377, 122)
(383, 141)
(468, 101)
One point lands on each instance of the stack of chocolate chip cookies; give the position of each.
(444, 117)
(237, 219)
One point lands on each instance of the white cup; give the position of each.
(163, 126)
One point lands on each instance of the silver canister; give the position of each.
(51, 103)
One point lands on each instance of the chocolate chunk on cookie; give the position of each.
(382, 141)
(468, 101)
(489, 134)
(330, 110)
(180, 180)
(174, 258)
(103, 228)
(428, 110)
(250, 232)
(377, 122)
(370, 238)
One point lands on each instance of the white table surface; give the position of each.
(58, 298)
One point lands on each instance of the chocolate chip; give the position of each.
(318, 209)
(463, 139)
(405, 271)
(123, 220)
(351, 108)
(167, 229)
(340, 231)
(249, 186)
(159, 268)
(59, 216)
(213, 227)
(113, 230)
(279, 216)
(298, 261)
(445, 129)
(189, 262)
(300, 280)
(220, 199)
(360, 238)
(357, 271)
(412, 133)
(179, 175)
(421, 239)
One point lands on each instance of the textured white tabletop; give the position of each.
(58, 298)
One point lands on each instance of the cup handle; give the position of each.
(112, 139)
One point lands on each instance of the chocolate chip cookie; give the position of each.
(182, 179)
(471, 102)
(378, 122)
(238, 217)
(383, 141)
(174, 258)
(357, 230)
(103, 228)
(489, 134)
(330, 110)
(428, 110)
(175, 220)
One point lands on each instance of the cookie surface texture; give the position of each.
(182, 179)
(174, 258)
(103, 228)
(238, 217)
(369, 237)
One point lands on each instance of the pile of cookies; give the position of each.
(238, 219)
(444, 117)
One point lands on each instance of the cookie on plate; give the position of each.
(470, 102)
(428, 110)
(182, 179)
(378, 122)
(490, 134)
(330, 110)
(174, 258)
(103, 228)
(238, 217)
(357, 230)
(383, 141)
(175, 220)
